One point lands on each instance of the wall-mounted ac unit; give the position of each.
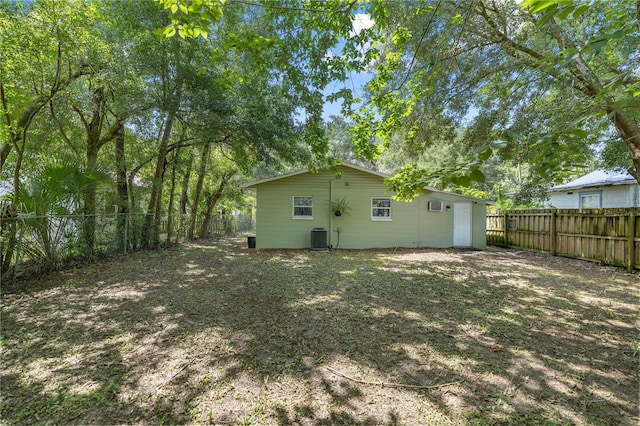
(435, 206)
(319, 239)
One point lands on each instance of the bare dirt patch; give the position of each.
(216, 333)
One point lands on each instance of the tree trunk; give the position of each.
(157, 217)
(630, 133)
(135, 223)
(16, 139)
(580, 75)
(149, 233)
(13, 225)
(196, 198)
(150, 230)
(172, 193)
(19, 145)
(211, 203)
(89, 224)
(184, 196)
(122, 191)
(94, 143)
(156, 187)
(5, 150)
(134, 215)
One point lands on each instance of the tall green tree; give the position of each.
(51, 56)
(553, 82)
(54, 40)
(221, 92)
(546, 79)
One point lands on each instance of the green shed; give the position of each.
(295, 211)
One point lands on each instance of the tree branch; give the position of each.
(180, 144)
(18, 132)
(82, 117)
(61, 129)
(344, 9)
(58, 63)
(522, 52)
(113, 131)
(502, 37)
(417, 48)
(578, 67)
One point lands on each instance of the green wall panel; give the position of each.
(411, 225)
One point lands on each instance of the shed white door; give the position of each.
(462, 224)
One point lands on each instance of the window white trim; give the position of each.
(435, 206)
(593, 196)
(301, 206)
(376, 210)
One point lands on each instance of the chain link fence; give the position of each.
(32, 244)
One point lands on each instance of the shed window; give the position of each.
(302, 207)
(590, 200)
(381, 208)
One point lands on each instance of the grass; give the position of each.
(214, 333)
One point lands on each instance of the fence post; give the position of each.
(505, 229)
(631, 242)
(552, 233)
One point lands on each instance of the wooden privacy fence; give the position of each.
(610, 236)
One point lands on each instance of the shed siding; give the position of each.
(411, 224)
(479, 231)
(275, 225)
(563, 200)
(612, 197)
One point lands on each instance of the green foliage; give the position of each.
(191, 18)
(541, 90)
(340, 142)
(409, 182)
(455, 102)
(617, 85)
(473, 192)
(504, 202)
(58, 189)
(340, 206)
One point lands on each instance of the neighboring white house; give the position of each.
(5, 188)
(597, 190)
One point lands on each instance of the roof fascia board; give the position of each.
(258, 182)
(351, 166)
(424, 188)
(299, 172)
(596, 185)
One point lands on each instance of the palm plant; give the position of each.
(340, 206)
(47, 205)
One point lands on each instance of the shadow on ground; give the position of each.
(219, 334)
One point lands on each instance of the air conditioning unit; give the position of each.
(435, 206)
(319, 239)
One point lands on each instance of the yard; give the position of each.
(215, 333)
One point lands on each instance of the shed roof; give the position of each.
(299, 172)
(598, 178)
(255, 183)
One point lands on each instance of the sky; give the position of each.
(356, 81)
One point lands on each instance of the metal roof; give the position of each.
(598, 178)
